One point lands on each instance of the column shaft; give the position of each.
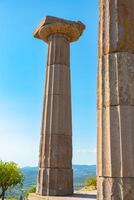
(115, 103)
(55, 176)
(55, 162)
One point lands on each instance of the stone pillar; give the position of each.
(115, 103)
(55, 175)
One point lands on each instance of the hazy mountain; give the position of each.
(81, 172)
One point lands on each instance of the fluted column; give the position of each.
(115, 104)
(55, 175)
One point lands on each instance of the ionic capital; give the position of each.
(51, 25)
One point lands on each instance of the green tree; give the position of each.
(10, 175)
(21, 197)
(31, 190)
(92, 181)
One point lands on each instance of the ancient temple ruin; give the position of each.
(115, 104)
(55, 176)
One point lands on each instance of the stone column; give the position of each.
(115, 102)
(55, 175)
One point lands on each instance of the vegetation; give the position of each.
(31, 190)
(10, 176)
(92, 181)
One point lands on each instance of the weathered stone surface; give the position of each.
(53, 25)
(55, 176)
(99, 142)
(116, 188)
(60, 121)
(115, 101)
(51, 156)
(56, 135)
(115, 146)
(60, 182)
(116, 80)
(116, 26)
(58, 80)
(58, 50)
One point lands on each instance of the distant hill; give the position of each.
(30, 174)
(81, 173)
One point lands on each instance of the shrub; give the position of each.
(31, 190)
(91, 181)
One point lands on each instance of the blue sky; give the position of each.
(22, 76)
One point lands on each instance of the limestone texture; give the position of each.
(55, 175)
(50, 25)
(116, 80)
(116, 189)
(116, 26)
(115, 101)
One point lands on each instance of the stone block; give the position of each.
(115, 144)
(58, 50)
(61, 116)
(56, 151)
(105, 148)
(116, 26)
(58, 80)
(99, 142)
(127, 138)
(115, 188)
(46, 115)
(116, 80)
(55, 182)
(57, 115)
